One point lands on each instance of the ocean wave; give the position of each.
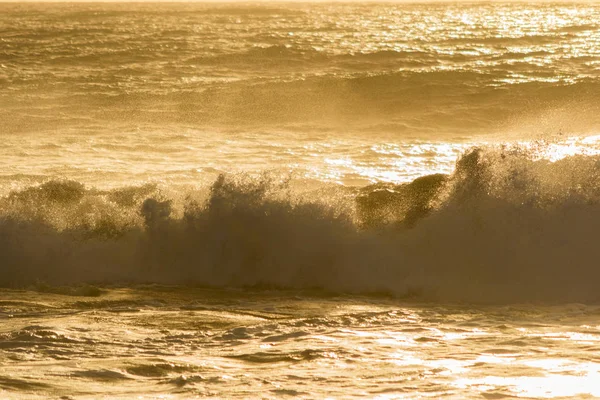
(294, 57)
(530, 39)
(448, 102)
(579, 28)
(504, 227)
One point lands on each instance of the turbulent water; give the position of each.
(305, 200)
(163, 342)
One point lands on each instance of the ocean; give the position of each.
(303, 200)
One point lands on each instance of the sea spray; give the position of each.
(506, 226)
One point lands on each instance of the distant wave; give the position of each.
(580, 28)
(295, 57)
(435, 103)
(504, 227)
(535, 39)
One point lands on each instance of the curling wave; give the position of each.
(504, 227)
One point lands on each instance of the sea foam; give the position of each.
(505, 226)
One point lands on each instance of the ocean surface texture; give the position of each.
(299, 200)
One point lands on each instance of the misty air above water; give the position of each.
(299, 200)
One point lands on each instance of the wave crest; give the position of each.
(504, 227)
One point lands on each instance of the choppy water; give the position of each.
(363, 191)
(352, 93)
(164, 342)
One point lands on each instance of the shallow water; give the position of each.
(166, 342)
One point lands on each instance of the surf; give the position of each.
(503, 227)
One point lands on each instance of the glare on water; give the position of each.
(324, 200)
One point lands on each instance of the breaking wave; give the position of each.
(504, 227)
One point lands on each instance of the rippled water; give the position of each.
(164, 342)
(350, 93)
(350, 200)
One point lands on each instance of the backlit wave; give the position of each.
(505, 226)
